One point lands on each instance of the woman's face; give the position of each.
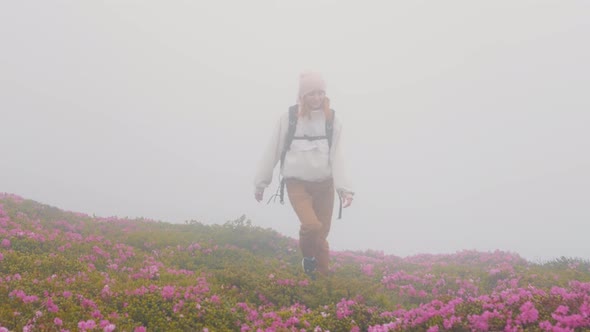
(315, 99)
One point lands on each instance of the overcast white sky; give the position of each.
(466, 123)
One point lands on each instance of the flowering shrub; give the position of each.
(66, 271)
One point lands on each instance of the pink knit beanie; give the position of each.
(310, 81)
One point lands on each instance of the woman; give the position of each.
(311, 167)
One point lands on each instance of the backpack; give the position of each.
(293, 115)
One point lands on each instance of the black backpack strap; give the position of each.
(330, 128)
(293, 114)
(309, 138)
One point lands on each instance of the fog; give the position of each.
(465, 123)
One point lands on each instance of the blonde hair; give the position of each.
(305, 111)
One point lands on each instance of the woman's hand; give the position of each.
(346, 198)
(259, 194)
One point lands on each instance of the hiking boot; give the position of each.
(309, 266)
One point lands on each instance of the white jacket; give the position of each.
(305, 160)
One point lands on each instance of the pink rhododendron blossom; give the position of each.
(343, 308)
(448, 323)
(30, 298)
(106, 291)
(51, 307)
(88, 303)
(572, 321)
(178, 306)
(57, 322)
(140, 329)
(368, 269)
(5, 243)
(528, 313)
(86, 325)
(585, 308)
(286, 282)
(562, 310)
(168, 292)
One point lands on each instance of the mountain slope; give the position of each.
(63, 270)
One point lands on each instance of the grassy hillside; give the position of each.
(65, 271)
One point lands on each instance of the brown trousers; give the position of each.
(313, 203)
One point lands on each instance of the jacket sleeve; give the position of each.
(270, 158)
(339, 169)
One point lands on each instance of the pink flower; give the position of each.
(343, 308)
(562, 310)
(51, 307)
(178, 306)
(448, 323)
(90, 324)
(86, 325)
(57, 322)
(571, 321)
(168, 292)
(546, 326)
(88, 303)
(5, 243)
(106, 291)
(1, 258)
(479, 322)
(109, 328)
(140, 329)
(528, 313)
(30, 299)
(433, 328)
(96, 314)
(368, 269)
